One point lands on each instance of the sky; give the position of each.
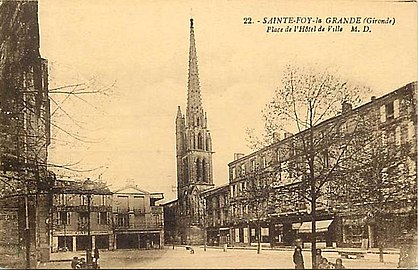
(138, 52)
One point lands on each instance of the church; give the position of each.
(185, 217)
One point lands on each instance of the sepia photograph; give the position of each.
(227, 134)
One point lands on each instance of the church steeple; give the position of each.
(193, 154)
(194, 111)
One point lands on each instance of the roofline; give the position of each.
(169, 202)
(272, 145)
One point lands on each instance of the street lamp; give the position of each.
(88, 187)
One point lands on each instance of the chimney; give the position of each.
(238, 156)
(346, 107)
(287, 135)
(276, 136)
(373, 98)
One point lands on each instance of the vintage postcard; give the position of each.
(208, 134)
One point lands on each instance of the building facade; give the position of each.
(81, 216)
(194, 160)
(87, 215)
(390, 122)
(24, 130)
(138, 220)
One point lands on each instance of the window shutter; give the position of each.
(382, 113)
(396, 108)
(411, 131)
(398, 135)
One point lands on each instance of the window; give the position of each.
(198, 169)
(123, 220)
(83, 217)
(233, 173)
(199, 141)
(207, 144)
(390, 110)
(204, 171)
(102, 218)
(243, 169)
(253, 165)
(263, 162)
(83, 200)
(64, 218)
(103, 200)
(326, 158)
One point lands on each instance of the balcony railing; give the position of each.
(153, 210)
(156, 209)
(83, 208)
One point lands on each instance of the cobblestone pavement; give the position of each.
(216, 258)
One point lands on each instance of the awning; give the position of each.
(321, 226)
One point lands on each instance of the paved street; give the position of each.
(216, 258)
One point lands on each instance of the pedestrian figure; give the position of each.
(74, 262)
(318, 256)
(81, 264)
(325, 264)
(190, 248)
(339, 264)
(96, 254)
(298, 258)
(96, 257)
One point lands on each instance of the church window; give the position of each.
(198, 170)
(199, 141)
(204, 170)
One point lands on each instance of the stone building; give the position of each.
(391, 120)
(24, 130)
(194, 160)
(217, 215)
(138, 220)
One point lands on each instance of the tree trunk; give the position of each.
(259, 240)
(312, 193)
(313, 235)
(380, 253)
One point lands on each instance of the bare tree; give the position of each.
(379, 179)
(307, 98)
(255, 201)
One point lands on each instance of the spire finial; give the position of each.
(191, 22)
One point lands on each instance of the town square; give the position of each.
(221, 135)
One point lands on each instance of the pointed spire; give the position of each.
(179, 115)
(194, 99)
